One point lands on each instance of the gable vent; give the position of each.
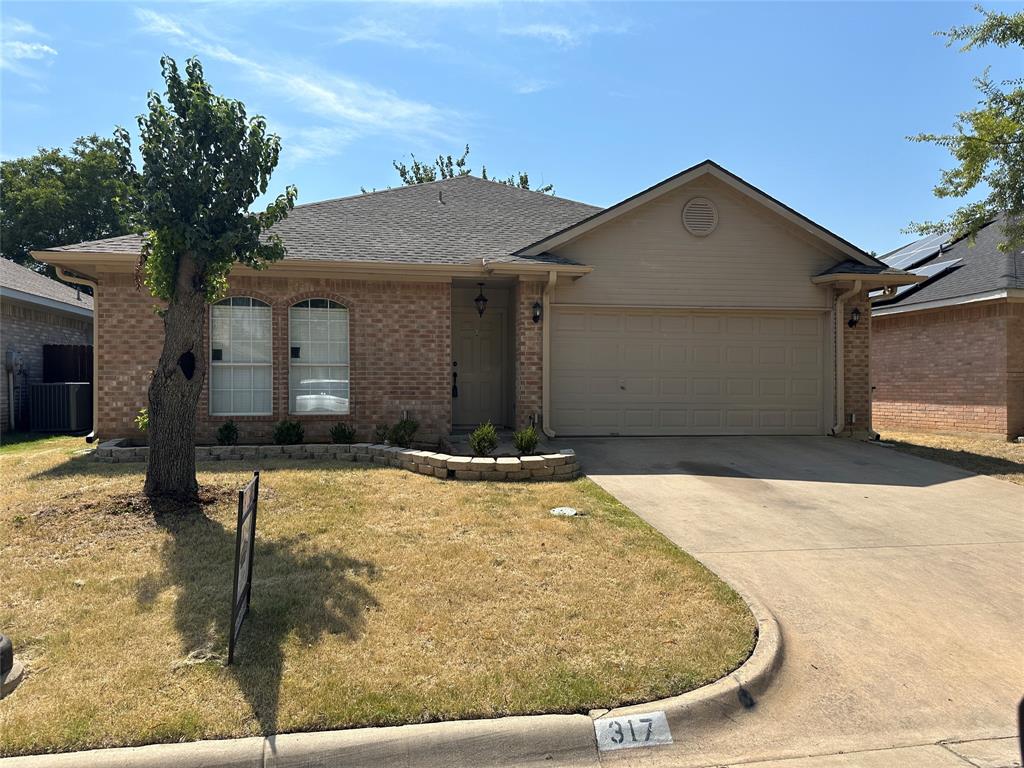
(700, 217)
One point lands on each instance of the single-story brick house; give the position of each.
(698, 306)
(948, 353)
(34, 311)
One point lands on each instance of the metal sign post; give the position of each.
(245, 537)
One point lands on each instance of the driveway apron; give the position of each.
(898, 583)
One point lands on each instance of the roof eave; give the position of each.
(890, 307)
(867, 280)
(44, 301)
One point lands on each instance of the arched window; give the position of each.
(318, 357)
(240, 358)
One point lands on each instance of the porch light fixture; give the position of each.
(537, 308)
(480, 301)
(854, 318)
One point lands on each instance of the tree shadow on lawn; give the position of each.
(295, 591)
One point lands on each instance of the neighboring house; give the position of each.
(35, 311)
(948, 353)
(699, 306)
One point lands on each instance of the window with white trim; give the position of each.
(240, 358)
(318, 357)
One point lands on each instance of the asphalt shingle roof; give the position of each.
(19, 278)
(453, 221)
(983, 268)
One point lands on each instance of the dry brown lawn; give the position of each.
(380, 597)
(976, 453)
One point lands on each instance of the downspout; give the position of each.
(76, 280)
(545, 358)
(840, 382)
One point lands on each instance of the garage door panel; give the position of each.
(672, 372)
(706, 355)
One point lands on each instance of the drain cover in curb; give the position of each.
(564, 512)
(649, 729)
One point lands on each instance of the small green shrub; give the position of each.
(142, 420)
(525, 440)
(227, 433)
(380, 433)
(484, 439)
(402, 433)
(288, 432)
(343, 434)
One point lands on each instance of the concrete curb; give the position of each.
(736, 692)
(531, 741)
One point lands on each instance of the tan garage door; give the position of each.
(654, 372)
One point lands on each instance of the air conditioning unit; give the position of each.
(61, 407)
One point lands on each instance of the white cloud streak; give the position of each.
(17, 53)
(374, 31)
(350, 107)
(562, 35)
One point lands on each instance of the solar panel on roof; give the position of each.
(915, 252)
(929, 271)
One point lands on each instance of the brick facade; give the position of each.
(857, 366)
(25, 328)
(400, 352)
(951, 369)
(529, 362)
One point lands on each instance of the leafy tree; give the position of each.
(204, 163)
(448, 167)
(989, 141)
(54, 198)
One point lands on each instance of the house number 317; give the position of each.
(628, 732)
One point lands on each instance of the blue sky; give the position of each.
(809, 101)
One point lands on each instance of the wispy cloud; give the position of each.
(20, 28)
(349, 107)
(562, 35)
(375, 31)
(527, 87)
(17, 53)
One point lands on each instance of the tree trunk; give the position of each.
(174, 392)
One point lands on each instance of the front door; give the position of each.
(480, 347)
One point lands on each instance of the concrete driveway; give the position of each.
(898, 583)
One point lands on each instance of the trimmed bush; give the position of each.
(288, 432)
(525, 440)
(343, 434)
(484, 439)
(402, 433)
(227, 434)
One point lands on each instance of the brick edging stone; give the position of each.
(561, 465)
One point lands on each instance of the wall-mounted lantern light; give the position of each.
(854, 318)
(480, 301)
(537, 309)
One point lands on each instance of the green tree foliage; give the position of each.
(448, 167)
(988, 144)
(54, 197)
(205, 161)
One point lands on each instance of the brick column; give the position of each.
(529, 354)
(857, 366)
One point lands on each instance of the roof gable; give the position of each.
(708, 167)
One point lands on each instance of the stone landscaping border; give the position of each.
(550, 466)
